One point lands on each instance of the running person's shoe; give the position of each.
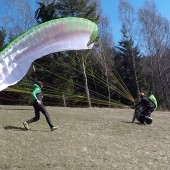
(26, 125)
(54, 128)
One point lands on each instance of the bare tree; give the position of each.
(128, 20)
(155, 31)
(83, 58)
(106, 45)
(17, 16)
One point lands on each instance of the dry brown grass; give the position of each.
(97, 138)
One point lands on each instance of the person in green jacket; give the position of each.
(37, 98)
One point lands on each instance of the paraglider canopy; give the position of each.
(53, 36)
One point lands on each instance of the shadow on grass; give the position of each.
(15, 128)
(129, 122)
(126, 122)
(14, 109)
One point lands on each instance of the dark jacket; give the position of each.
(144, 103)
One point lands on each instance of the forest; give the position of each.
(108, 75)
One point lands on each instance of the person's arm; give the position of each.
(137, 104)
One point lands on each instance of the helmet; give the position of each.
(141, 95)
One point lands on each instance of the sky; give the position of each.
(110, 9)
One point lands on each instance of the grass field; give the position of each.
(87, 139)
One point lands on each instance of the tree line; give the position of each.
(106, 76)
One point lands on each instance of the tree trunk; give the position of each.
(103, 63)
(167, 84)
(64, 101)
(86, 82)
(107, 80)
(135, 74)
(162, 84)
(152, 82)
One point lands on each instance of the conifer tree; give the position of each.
(126, 54)
(2, 38)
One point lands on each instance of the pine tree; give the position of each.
(45, 12)
(126, 56)
(77, 8)
(2, 38)
(67, 8)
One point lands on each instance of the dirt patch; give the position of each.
(96, 138)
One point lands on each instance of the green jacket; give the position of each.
(153, 99)
(35, 92)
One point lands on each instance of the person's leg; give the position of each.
(47, 116)
(45, 113)
(150, 111)
(134, 117)
(141, 119)
(34, 119)
(146, 112)
(37, 114)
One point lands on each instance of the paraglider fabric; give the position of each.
(63, 34)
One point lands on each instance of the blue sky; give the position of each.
(110, 9)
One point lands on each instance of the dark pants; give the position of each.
(148, 111)
(40, 108)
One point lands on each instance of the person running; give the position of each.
(37, 98)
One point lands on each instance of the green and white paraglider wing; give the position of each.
(53, 36)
